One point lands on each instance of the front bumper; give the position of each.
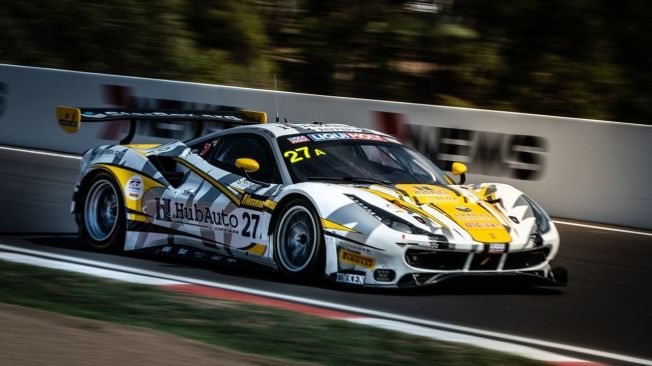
(393, 265)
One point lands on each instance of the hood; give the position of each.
(443, 204)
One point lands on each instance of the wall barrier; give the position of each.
(577, 169)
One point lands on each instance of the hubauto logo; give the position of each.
(487, 153)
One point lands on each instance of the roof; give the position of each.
(284, 129)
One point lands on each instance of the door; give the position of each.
(221, 207)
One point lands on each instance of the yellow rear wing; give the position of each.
(70, 118)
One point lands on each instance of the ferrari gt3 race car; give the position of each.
(310, 200)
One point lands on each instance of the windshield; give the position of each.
(364, 158)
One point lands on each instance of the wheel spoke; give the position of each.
(296, 247)
(101, 210)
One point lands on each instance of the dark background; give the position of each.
(581, 58)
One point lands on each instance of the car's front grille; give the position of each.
(526, 259)
(439, 260)
(443, 260)
(485, 262)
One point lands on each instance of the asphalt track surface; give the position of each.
(606, 306)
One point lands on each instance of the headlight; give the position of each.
(541, 217)
(388, 219)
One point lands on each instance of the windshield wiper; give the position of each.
(352, 179)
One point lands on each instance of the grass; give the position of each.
(244, 327)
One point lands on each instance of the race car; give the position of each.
(311, 200)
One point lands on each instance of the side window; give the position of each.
(232, 147)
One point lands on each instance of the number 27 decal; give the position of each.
(301, 153)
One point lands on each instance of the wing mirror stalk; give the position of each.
(248, 165)
(459, 169)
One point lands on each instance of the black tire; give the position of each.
(102, 216)
(299, 241)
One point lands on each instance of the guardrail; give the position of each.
(578, 169)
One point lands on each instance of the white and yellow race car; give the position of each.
(311, 200)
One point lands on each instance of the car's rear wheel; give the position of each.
(299, 241)
(103, 214)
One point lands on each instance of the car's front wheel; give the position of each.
(103, 214)
(298, 240)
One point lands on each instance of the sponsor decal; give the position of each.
(357, 259)
(481, 225)
(244, 183)
(256, 203)
(462, 209)
(119, 154)
(329, 136)
(131, 115)
(490, 153)
(217, 220)
(298, 139)
(329, 128)
(474, 217)
(353, 247)
(497, 248)
(216, 258)
(206, 217)
(425, 190)
(354, 279)
(425, 194)
(346, 136)
(182, 251)
(134, 188)
(366, 136)
(166, 249)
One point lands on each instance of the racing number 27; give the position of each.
(248, 220)
(296, 157)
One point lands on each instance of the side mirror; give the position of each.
(459, 169)
(247, 164)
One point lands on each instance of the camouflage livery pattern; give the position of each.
(458, 229)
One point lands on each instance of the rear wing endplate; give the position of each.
(70, 118)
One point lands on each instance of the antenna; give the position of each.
(276, 96)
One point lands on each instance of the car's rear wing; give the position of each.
(70, 118)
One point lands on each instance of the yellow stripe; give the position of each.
(270, 204)
(481, 224)
(122, 176)
(142, 146)
(138, 217)
(490, 207)
(406, 205)
(258, 249)
(210, 180)
(328, 224)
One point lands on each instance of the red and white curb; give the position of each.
(495, 341)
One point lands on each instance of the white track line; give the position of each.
(347, 308)
(392, 325)
(89, 270)
(606, 228)
(40, 152)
